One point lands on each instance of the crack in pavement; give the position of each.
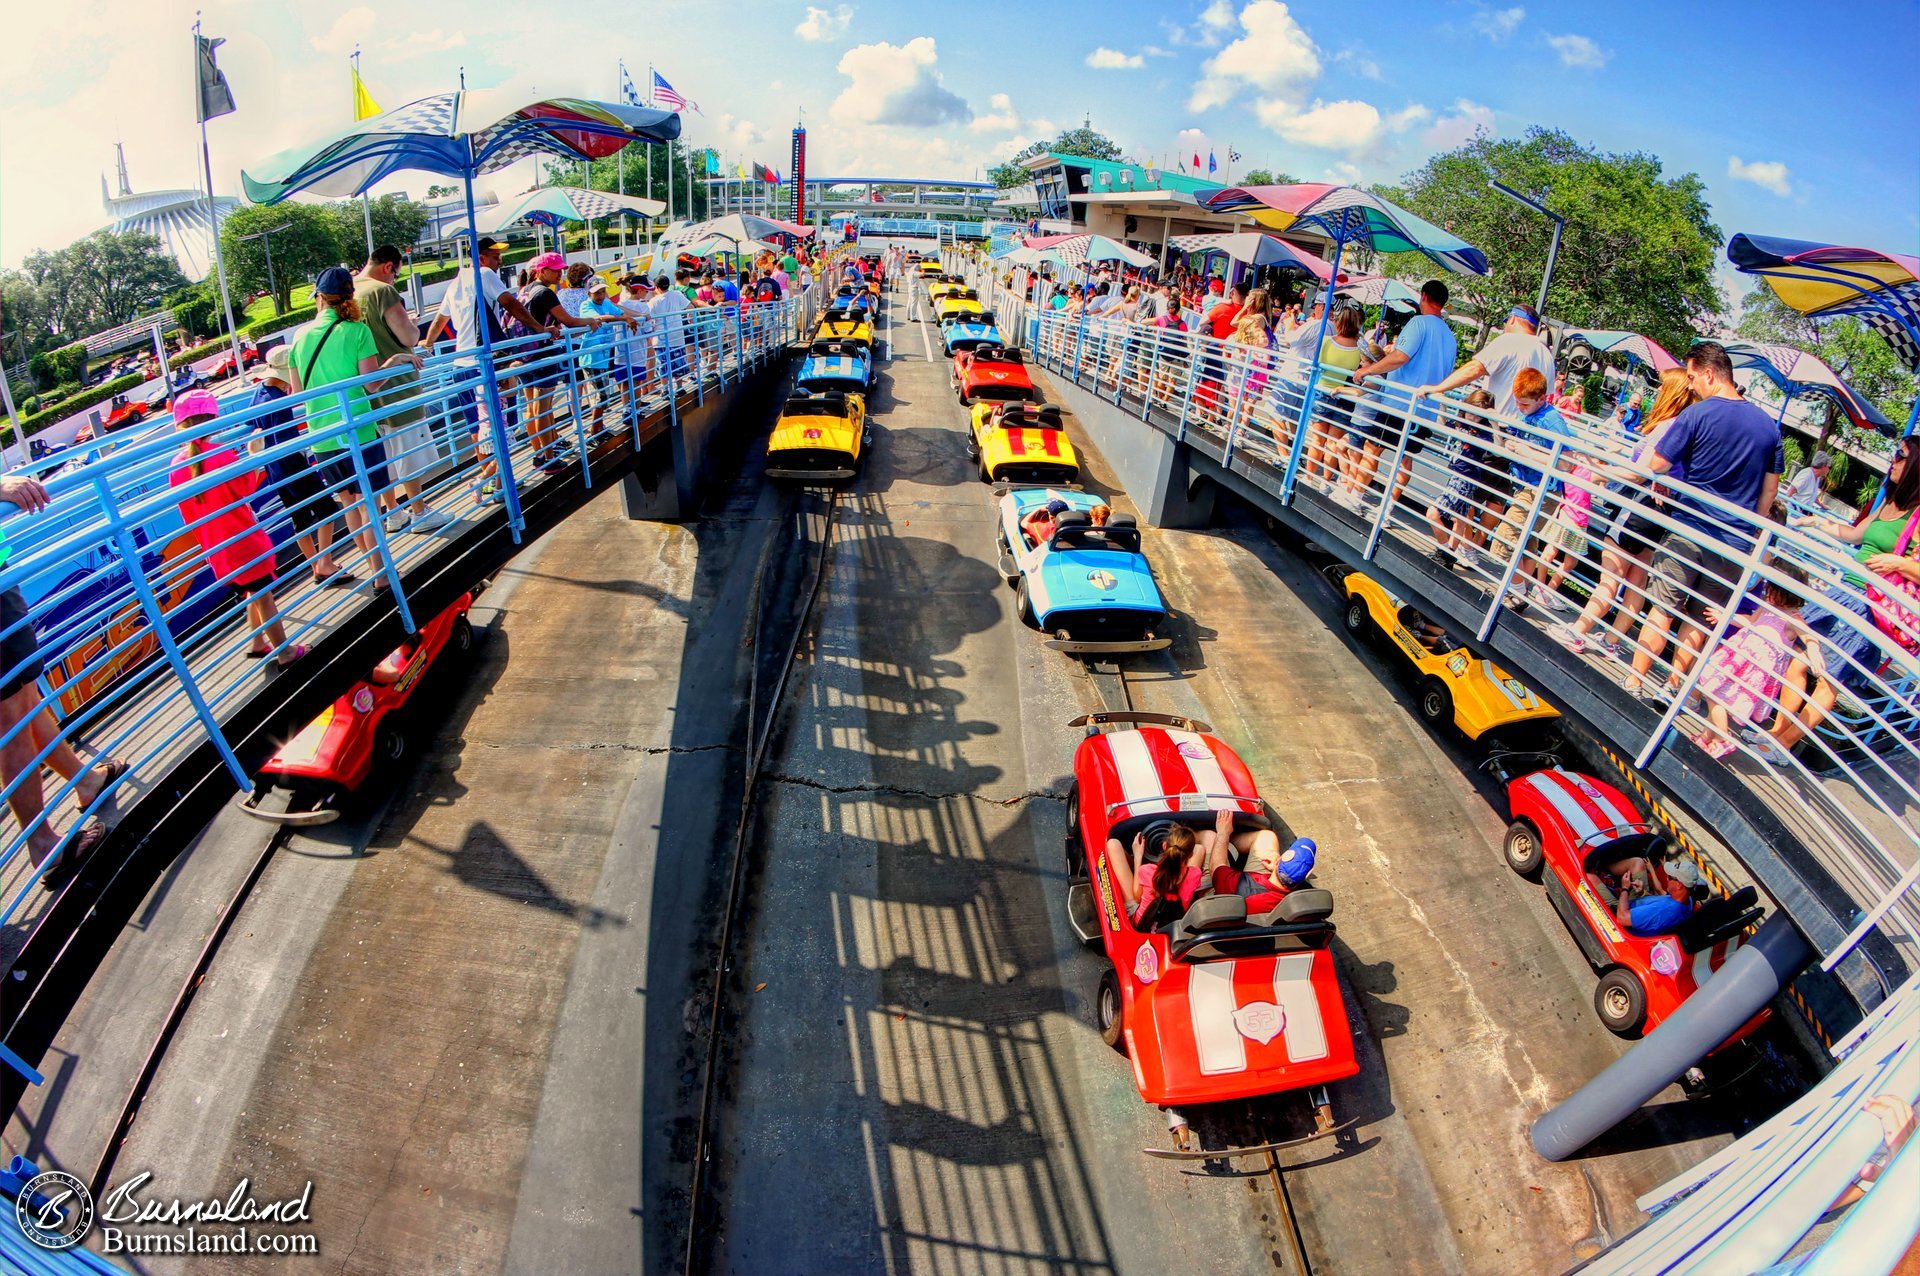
(610, 746)
(865, 786)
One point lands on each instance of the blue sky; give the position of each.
(1800, 128)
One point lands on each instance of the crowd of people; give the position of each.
(631, 340)
(1539, 493)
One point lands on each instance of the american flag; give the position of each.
(669, 96)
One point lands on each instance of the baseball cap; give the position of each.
(1296, 862)
(596, 284)
(548, 261)
(334, 281)
(1682, 869)
(491, 245)
(1057, 506)
(195, 403)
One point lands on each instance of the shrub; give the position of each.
(41, 369)
(1593, 394)
(198, 311)
(70, 363)
(1796, 452)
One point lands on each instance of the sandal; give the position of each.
(110, 771)
(252, 654)
(340, 580)
(295, 654)
(68, 859)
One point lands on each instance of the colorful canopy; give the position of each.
(1251, 248)
(713, 246)
(456, 135)
(1795, 373)
(1348, 215)
(552, 205)
(1378, 290)
(1631, 344)
(1078, 250)
(1882, 289)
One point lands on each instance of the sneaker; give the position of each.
(398, 522)
(1570, 638)
(432, 521)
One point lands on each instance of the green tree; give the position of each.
(1639, 247)
(309, 245)
(1266, 177)
(605, 174)
(397, 220)
(1074, 141)
(105, 279)
(26, 318)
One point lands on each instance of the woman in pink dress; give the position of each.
(237, 550)
(1743, 679)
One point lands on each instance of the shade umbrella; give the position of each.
(719, 244)
(1378, 290)
(1631, 344)
(1083, 249)
(459, 135)
(1251, 248)
(1348, 215)
(1794, 373)
(1820, 280)
(552, 205)
(735, 228)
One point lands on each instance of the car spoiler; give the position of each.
(1113, 717)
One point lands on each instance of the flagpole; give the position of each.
(213, 216)
(620, 162)
(366, 205)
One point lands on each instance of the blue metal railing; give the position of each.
(142, 644)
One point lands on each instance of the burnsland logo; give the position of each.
(56, 1211)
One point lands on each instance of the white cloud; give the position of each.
(1345, 172)
(1579, 51)
(1768, 175)
(896, 84)
(1000, 116)
(819, 24)
(740, 134)
(1349, 125)
(1449, 131)
(361, 28)
(1273, 54)
(1498, 24)
(1104, 59)
(1217, 18)
(1155, 51)
(1359, 63)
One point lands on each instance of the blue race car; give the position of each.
(1087, 586)
(857, 299)
(846, 366)
(970, 332)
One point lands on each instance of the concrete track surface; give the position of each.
(475, 1017)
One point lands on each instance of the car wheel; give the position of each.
(389, 743)
(462, 636)
(1076, 849)
(1109, 1011)
(1621, 1002)
(1023, 603)
(1522, 848)
(1436, 702)
(1359, 623)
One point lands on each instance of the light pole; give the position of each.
(266, 242)
(1553, 249)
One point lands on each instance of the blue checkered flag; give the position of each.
(629, 92)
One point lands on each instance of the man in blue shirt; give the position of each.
(1422, 355)
(1726, 446)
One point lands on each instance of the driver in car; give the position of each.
(1660, 909)
(1040, 525)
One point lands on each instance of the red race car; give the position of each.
(1573, 826)
(330, 758)
(1217, 1005)
(222, 368)
(994, 373)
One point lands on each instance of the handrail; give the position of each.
(142, 640)
(1852, 783)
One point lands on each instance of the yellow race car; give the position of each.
(838, 323)
(1022, 443)
(819, 437)
(930, 267)
(941, 285)
(960, 301)
(1479, 697)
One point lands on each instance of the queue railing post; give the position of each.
(1392, 472)
(374, 520)
(1526, 538)
(573, 357)
(162, 634)
(1749, 568)
(1193, 375)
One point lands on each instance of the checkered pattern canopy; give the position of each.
(457, 135)
(1880, 289)
(552, 205)
(1645, 349)
(1348, 215)
(1796, 373)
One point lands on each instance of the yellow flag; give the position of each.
(364, 107)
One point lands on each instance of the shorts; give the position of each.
(1375, 425)
(244, 590)
(677, 361)
(336, 470)
(411, 451)
(300, 492)
(1851, 656)
(19, 650)
(1636, 534)
(1568, 537)
(1688, 578)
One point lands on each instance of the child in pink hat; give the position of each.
(237, 550)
